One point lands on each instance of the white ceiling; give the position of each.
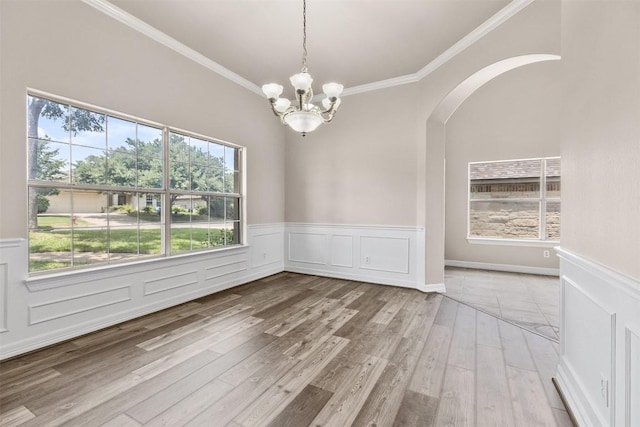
(353, 42)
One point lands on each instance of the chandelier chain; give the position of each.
(304, 36)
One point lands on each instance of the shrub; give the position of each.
(43, 204)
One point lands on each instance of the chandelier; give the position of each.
(301, 115)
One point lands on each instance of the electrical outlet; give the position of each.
(545, 254)
(367, 260)
(264, 255)
(604, 389)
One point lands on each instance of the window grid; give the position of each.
(147, 202)
(511, 183)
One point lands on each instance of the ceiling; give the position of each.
(353, 42)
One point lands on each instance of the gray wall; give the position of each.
(514, 116)
(72, 50)
(376, 158)
(601, 132)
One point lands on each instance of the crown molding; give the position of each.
(482, 30)
(486, 27)
(153, 33)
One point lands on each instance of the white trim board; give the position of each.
(503, 267)
(153, 33)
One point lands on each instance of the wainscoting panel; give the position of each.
(307, 248)
(42, 310)
(3, 297)
(390, 254)
(267, 246)
(67, 307)
(166, 281)
(341, 251)
(597, 340)
(632, 386)
(377, 254)
(598, 369)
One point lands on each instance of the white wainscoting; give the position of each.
(376, 254)
(48, 309)
(599, 367)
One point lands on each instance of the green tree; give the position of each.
(137, 164)
(48, 168)
(91, 170)
(76, 120)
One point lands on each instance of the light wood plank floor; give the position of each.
(528, 300)
(293, 350)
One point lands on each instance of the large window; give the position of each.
(106, 188)
(515, 199)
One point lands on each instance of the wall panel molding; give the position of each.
(165, 283)
(69, 306)
(4, 278)
(389, 255)
(599, 361)
(632, 374)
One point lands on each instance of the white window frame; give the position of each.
(165, 191)
(542, 200)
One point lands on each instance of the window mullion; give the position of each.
(543, 203)
(166, 200)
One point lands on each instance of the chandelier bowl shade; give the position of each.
(303, 121)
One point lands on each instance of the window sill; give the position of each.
(512, 242)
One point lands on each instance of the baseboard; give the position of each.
(566, 404)
(433, 287)
(350, 276)
(573, 398)
(503, 267)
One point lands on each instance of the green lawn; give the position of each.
(124, 240)
(116, 241)
(58, 221)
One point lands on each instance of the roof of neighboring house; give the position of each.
(513, 169)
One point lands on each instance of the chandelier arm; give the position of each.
(273, 108)
(300, 100)
(332, 108)
(327, 117)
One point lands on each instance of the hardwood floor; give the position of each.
(293, 350)
(530, 301)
